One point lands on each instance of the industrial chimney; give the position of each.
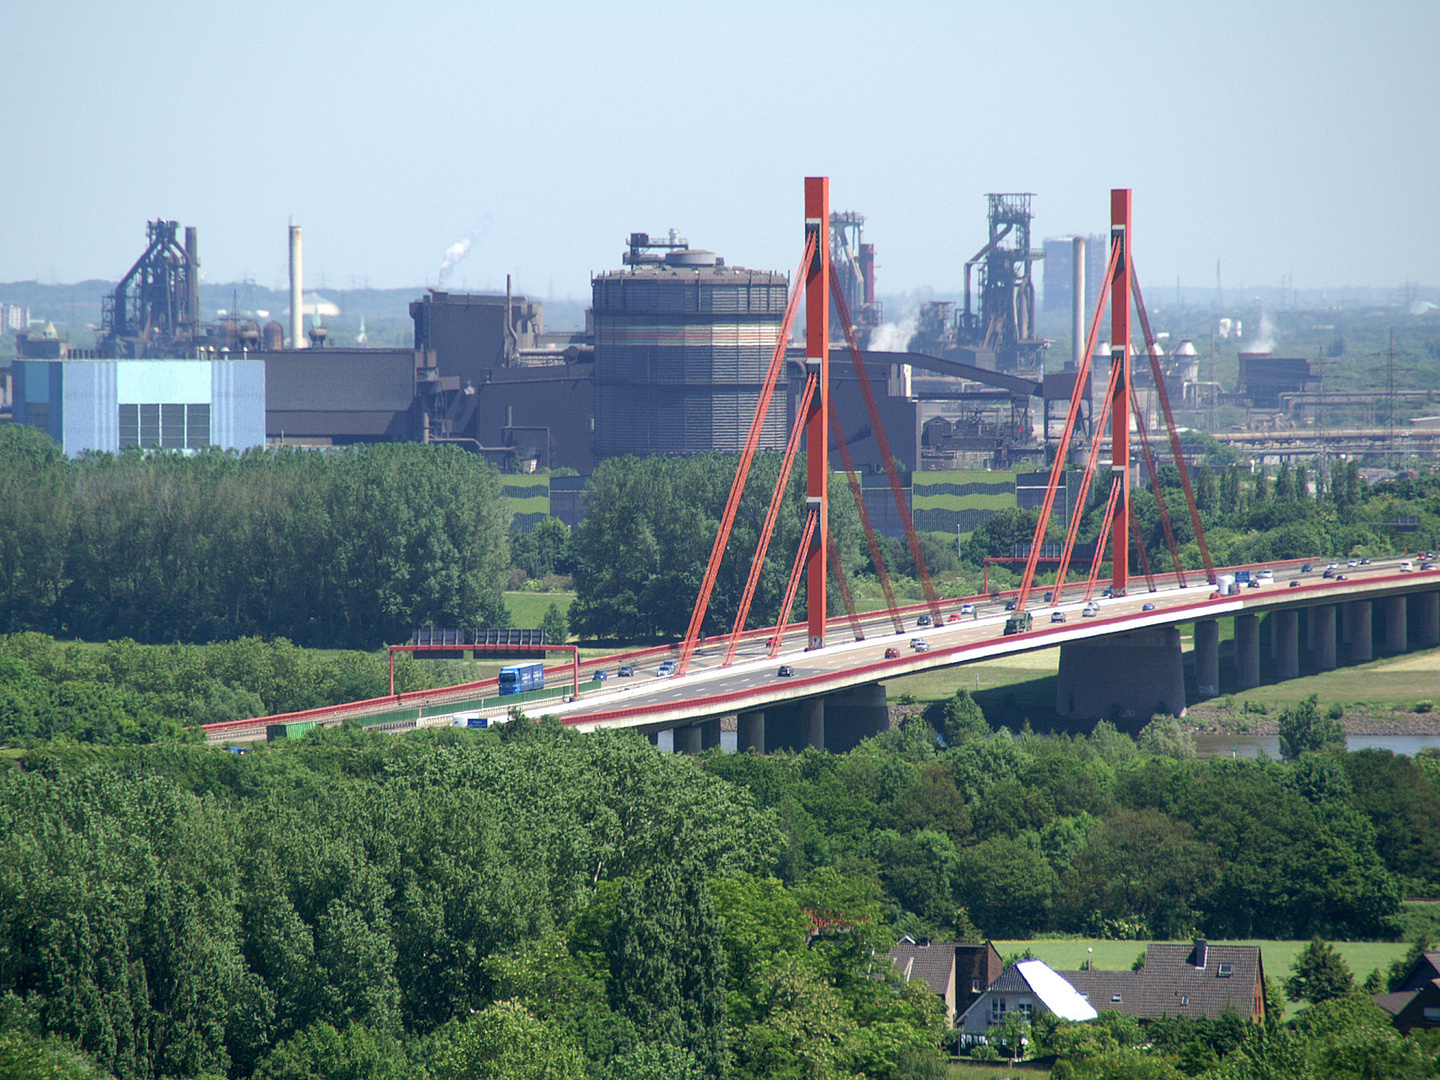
(297, 292)
(192, 280)
(1077, 289)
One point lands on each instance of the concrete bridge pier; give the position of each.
(750, 732)
(1136, 673)
(1396, 636)
(1358, 631)
(1247, 651)
(688, 740)
(1287, 643)
(1429, 617)
(1207, 657)
(812, 722)
(1322, 622)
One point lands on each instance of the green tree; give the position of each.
(1303, 728)
(322, 1053)
(667, 964)
(555, 625)
(1164, 736)
(964, 719)
(504, 1042)
(1319, 974)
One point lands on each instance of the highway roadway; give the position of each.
(967, 638)
(649, 702)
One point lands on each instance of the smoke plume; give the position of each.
(453, 254)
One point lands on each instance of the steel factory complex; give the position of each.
(672, 361)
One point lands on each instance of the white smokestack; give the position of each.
(297, 292)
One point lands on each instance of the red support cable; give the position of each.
(817, 417)
(777, 499)
(883, 445)
(1062, 449)
(1098, 556)
(1157, 491)
(1170, 426)
(839, 573)
(1121, 238)
(858, 494)
(793, 586)
(1082, 495)
(742, 469)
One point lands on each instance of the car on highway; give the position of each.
(1427, 566)
(1049, 596)
(785, 671)
(1265, 576)
(1294, 583)
(599, 676)
(1147, 607)
(1353, 563)
(1009, 605)
(953, 618)
(1306, 568)
(1254, 583)
(892, 653)
(1091, 610)
(666, 670)
(626, 671)
(920, 646)
(1365, 561)
(923, 620)
(1407, 567)
(1057, 616)
(967, 609)
(1329, 572)
(1341, 577)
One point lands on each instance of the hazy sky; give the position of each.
(1282, 138)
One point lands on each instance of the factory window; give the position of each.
(171, 426)
(129, 425)
(197, 426)
(149, 425)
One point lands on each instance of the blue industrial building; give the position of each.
(110, 405)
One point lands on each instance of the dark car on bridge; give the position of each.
(626, 671)
(599, 676)
(785, 671)
(923, 620)
(1147, 607)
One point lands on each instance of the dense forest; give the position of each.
(536, 903)
(356, 547)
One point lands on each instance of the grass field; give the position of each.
(528, 608)
(1024, 1070)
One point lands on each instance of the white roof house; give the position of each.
(1027, 988)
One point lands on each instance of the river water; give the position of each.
(1249, 746)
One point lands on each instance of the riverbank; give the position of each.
(1216, 719)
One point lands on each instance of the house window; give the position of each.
(1115, 998)
(1026, 1009)
(1223, 972)
(975, 986)
(997, 1010)
(1184, 999)
(1431, 1015)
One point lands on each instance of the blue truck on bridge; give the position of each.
(517, 678)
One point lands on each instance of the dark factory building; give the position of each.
(682, 346)
(1263, 378)
(331, 396)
